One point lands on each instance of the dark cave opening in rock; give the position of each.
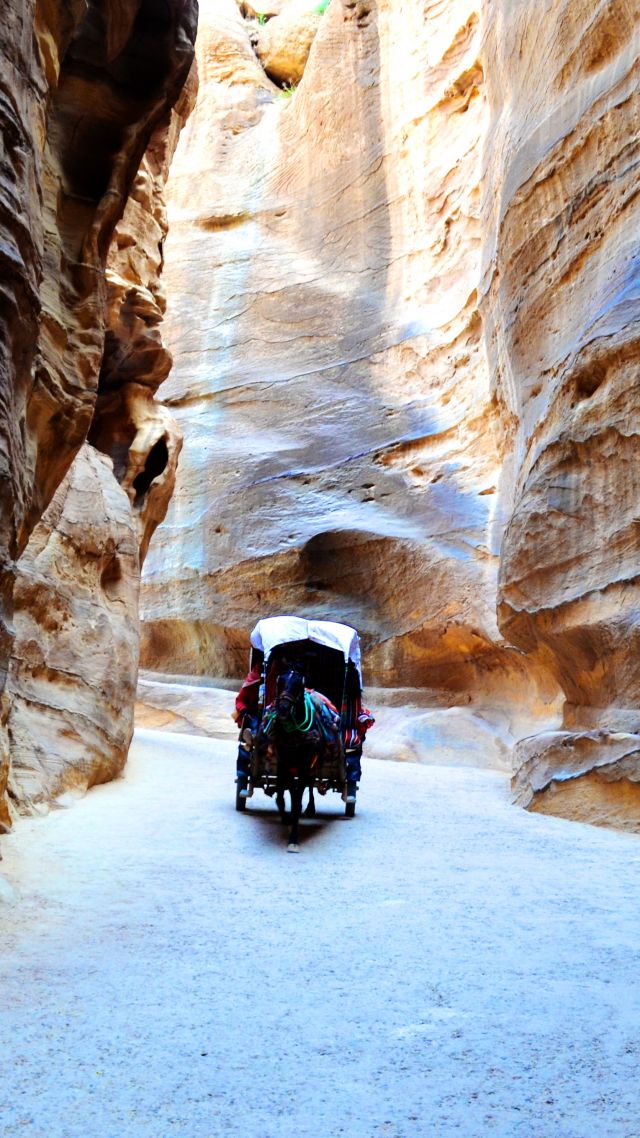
(157, 460)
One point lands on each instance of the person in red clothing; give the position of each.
(246, 715)
(247, 699)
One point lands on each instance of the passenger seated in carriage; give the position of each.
(247, 715)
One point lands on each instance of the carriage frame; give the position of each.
(329, 654)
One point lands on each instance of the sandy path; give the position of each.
(443, 964)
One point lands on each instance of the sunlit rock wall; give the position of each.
(404, 310)
(561, 304)
(83, 86)
(75, 659)
(343, 440)
(283, 43)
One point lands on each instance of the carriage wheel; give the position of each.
(241, 801)
(350, 809)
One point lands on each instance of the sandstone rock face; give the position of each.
(5, 761)
(83, 86)
(129, 424)
(343, 446)
(185, 708)
(75, 658)
(408, 380)
(591, 776)
(404, 314)
(70, 724)
(80, 100)
(563, 318)
(284, 43)
(259, 10)
(562, 315)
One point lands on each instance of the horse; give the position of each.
(293, 728)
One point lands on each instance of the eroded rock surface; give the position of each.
(592, 776)
(284, 42)
(409, 383)
(129, 424)
(83, 87)
(564, 319)
(562, 311)
(80, 99)
(190, 708)
(343, 447)
(71, 723)
(75, 658)
(404, 312)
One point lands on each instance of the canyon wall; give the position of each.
(74, 664)
(561, 309)
(344, 443)
(83, 88)
(403, 309)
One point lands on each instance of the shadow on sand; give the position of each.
(277, 832)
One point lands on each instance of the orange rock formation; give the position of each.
(403, 307)
(83, 88)
(403, 310)
(75, 658)
(561, 308)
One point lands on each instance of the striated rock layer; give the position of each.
(404, 311)
(343, 445)
(561, 305)
(83, 87)
(75, 657)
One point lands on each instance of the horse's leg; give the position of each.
(297, 790)
(310, 812)
(280, 788)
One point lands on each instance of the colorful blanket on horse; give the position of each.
(317, 727)
(328, 717)
(358, 720)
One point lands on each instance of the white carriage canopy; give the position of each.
(276, 630)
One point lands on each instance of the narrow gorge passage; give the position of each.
(442, 964)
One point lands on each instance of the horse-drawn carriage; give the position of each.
(305, 724)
